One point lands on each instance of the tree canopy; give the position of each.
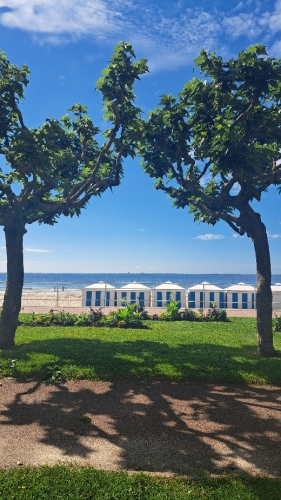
(56, 168)
(216, 148)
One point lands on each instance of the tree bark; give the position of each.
(14, 233)
(256, 230)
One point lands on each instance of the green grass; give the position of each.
(74, 483)
(211, 352)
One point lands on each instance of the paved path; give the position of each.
(138, 425)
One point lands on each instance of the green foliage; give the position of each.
(72, 482)
(223, 129)
(277, 323)
(53, 374)
(62, 318)
(172, 313)
(172, 310)
(129, 317)
(62, 163)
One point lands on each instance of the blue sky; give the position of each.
(66, 43)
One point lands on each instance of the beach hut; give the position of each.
(241, 296)
(168, 291)
(276, 296)
(134, 293)
(204, 295)
(99, 295)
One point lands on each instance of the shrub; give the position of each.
(277, 325)
(124, 318)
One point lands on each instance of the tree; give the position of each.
(56, 168)
(216, 149)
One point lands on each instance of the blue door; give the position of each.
(201, 300)
(159, 299)
(178, 299)
(123, 298)
(191, 302)
(107, 299)
(222, 300)
(212, 298)
(235, 300)
(88, 298)
(244, 301)
(141, 299)
(97, 301)
(133, 297)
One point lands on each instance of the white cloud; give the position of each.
(209, 236)
(141, 229)
(170, 36)
(243, 24)
(36, 250)
(53, 17)
(274, 20)
(274, 236)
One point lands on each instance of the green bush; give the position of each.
(124, 318)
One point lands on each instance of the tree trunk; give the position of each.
(14, 233)
(257, 232)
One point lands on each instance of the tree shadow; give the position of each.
(110, 360)
(141, 423)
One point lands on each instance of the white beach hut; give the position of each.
(241, 296)
(134, 293)
(276, 296)
(99, 295)
(166, 291)
(204, 295)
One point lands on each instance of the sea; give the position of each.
(47, 281)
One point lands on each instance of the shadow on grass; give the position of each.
(95, 359)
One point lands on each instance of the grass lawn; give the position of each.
(211, 352)
(73, 483)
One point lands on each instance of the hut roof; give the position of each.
(169, 286)
(205, 286)
(135, 286)
(241, 287)
(100, 286)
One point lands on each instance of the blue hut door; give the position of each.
(123, 298)
(98, 297)
(141, 299)
(222, 300)
(88, 298)
(159, 299)
(244, 301)
(235, 300)
(191, 299)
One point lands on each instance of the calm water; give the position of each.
(77, 280)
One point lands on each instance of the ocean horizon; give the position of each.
(80, 280)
